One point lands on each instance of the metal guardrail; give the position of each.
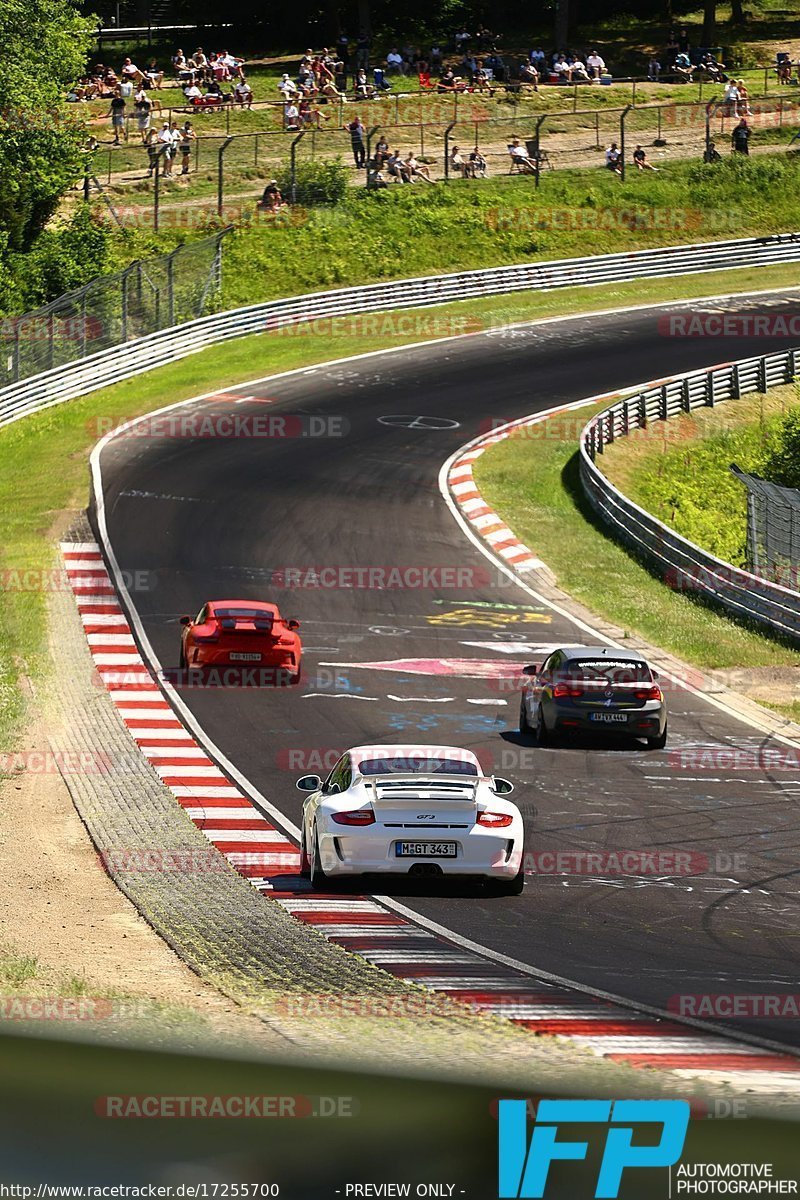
(142, 354)
(684, 566)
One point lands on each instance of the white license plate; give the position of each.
(242, 657)
(609, 717)
(425, 849)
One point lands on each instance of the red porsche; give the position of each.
(242, 632)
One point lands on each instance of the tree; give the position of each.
(709, 22)
(45, 44)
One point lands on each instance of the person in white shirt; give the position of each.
(234, 65)
(595, 64)
(613, 159)
(192, 93)
(166, 148)
(578, 72)
(243, 93)
(394, 61)
(287, 86)
(520, 156)
(291, 116)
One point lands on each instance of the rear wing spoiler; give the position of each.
(414, 785)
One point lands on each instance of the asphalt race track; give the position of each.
(212, 517)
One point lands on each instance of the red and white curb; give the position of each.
(270, 862)
(501, 540)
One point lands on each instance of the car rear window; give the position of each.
(418, 764)
(242, 614)
(606, 670)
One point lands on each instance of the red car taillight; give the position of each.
(358, 816)
(495, 820)
(562, 690)
(651, 693)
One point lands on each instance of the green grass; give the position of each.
(45, 456)
(684, 476)
(534, 485)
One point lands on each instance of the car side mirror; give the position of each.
(532, 669)
(292, 624)
(501, 787)
(309, 783)
(186, 620)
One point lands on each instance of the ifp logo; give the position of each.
(524, 1169)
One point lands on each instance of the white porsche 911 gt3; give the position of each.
(411, 810)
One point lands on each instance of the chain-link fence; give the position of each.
(773, 529)
(147, 296)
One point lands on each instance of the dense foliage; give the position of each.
(44, 45)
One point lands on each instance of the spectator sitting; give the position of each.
(362, 88)
(311, 117)
(394, 62)
(394, 165)
(614, 159)
(130, 72)
(730, 99)
(520, 157)
(653, 69)
(468, 65)
(482, 82)
(192, 93)
(456, 161)
(641, 161)
(744, 98)
(476, 165)
(243, 93)
(595, 65)
(291, 115)
(683, 68)
(181, 66)
(201, 62)
(416, 170)
(538, 60)
(529, 74)
(711, 154)
(218, 69)
(783, 67)
(213, 89)
(152, 76)
(740, 138)
(271, 198)
(381, 152)
(287, 86)
(234, 65)
(578, 72)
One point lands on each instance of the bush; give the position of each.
(315, 182)
(60, 259)
(782, 464)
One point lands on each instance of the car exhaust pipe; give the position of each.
(425, 869)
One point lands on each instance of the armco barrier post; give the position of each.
(622, 117)
(220, 176)
(447, 133)
(293, 166)
(537, 138)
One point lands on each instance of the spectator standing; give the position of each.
(144, 108)
(166, 147)
(653, 69)
(117, 114)
(187, 136)
(362, 51)
(740, 138)
(356, 130)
